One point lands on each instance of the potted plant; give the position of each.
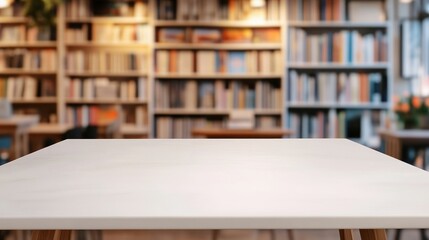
(413, 112)
(41, 12)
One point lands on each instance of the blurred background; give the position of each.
(356, 69)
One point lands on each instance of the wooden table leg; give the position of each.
(373, 234)
(346, 234)
(51, 235)
(43, 235)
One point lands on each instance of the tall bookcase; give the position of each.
(339, 68)
(216, 57)
(107, 62)
(28, 65)
(172, 65)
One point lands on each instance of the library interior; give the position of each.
(149, 69)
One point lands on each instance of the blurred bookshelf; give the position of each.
(214, 58)
(28, 65)
(339, 68)
(168, 66)
(107, 53)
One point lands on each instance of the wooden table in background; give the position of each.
(396, 140)
(40, 132)
(240, 133)
(211, 184)
(16, 127)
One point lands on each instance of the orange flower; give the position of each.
(416, 101)
(405, 107)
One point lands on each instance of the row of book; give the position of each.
(16, 9)
(22, 33)
(78, 61)
(91, 115)
(218, 10)
(191, 94)
(26, 88)
(106, 89)
(218, 35)
(217, 94)
(209, 62)
(45, 60)
(181, 127)
(334, 87)
(107, 33)
(336, 10)
(341, 47)
(83, 8)
(360, 125)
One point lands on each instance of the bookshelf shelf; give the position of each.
(220, 46)
(93, 45)
(219, 23)
(201, 112)
(339, 24)
(268, 111)
(13, 20)
(27, 72)
(218, 76)
(122, 20)
(337, 66)
(42, 100)
(107, 74)
(47, 44)
(106, 101)
(338, 105)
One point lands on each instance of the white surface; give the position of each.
(211, 184)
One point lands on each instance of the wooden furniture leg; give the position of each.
(346, 234)
(63, 235)
(215, 234)
(43, 235)
(373, 234)
(51, 235)
(290, 234)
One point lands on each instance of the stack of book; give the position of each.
(105, 89)
(241, 119)
(331, 87)
(268, 122)
(181, 127)
(343, 46)
(79, 61)
(210, 62)
(217, 10)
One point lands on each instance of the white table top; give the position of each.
(211, 184)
